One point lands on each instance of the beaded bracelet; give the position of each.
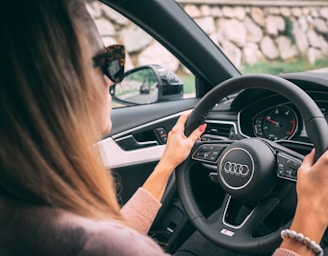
(316, 248)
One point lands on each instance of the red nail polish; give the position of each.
(202, 128)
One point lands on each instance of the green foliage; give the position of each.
(281, 67)
(143, 76)
(289, 29)
(188, 83)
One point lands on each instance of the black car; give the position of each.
(144, 89)
(259, 127)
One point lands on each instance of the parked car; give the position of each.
(259, 127)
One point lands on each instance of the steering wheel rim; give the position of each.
(315, 125)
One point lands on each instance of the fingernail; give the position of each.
(202, 127)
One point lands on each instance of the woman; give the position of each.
(56, 198)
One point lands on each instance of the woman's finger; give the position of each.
(195, 135)
(309, 159)
(180, 124)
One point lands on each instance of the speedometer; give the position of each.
(277, 123)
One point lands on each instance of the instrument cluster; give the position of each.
(276, 123)
(275, 120)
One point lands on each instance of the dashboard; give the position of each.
(265, 114)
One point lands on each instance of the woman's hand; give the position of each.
(312, 187)
(178, 146)
(311, 215)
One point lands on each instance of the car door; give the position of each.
(137, 139)
(143, 127)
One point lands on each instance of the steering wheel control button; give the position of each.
(287, 166)
(213, 156)
(202, 154)
(208, 152)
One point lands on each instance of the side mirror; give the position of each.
(147, 84)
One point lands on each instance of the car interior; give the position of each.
(244, 167)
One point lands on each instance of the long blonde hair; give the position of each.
(47, 112)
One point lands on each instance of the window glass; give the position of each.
(141, 48)
(266, 36)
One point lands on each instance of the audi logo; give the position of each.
(236, 168)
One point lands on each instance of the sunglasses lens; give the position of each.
(115, 63)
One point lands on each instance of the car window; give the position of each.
(266, 36)
(141, 50)
(271, 37)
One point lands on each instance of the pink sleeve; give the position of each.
(141, 210)
(284, 252)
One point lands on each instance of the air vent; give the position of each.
(220, 130)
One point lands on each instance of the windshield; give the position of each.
(270, 37)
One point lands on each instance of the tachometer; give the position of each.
(277, 123)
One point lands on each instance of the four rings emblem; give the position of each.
(236, 169)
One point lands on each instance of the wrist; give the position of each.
(299, 243)
(310, 223)
(165, 167)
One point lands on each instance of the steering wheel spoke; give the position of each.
(235, 217)
(236, 222)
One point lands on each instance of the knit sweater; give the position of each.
(37, 231)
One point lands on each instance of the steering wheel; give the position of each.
(248, 170)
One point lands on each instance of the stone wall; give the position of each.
(265, 32)
(262, 31)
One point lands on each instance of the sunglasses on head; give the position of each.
(111, 62)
